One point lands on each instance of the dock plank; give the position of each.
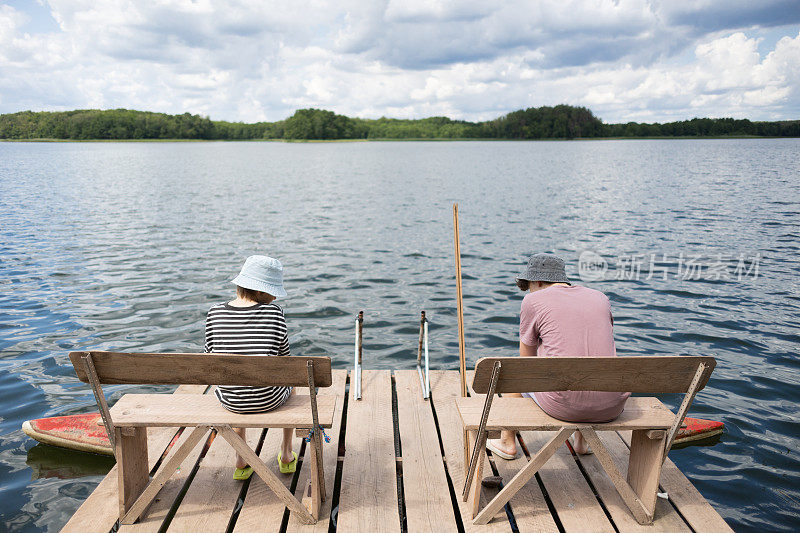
(445, 388)
(572, 497)
(695, 509)
(211, 498)
(666, 519)
(100, 511)
(368, 499)
(427, 497)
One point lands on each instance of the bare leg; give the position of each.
(286, 446)
(240, 463)
(508, 439)
(579, 444)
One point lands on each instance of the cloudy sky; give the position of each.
(241, 60)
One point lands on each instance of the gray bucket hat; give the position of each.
(262, 273)
(545, 267)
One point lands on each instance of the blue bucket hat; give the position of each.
(262, 273)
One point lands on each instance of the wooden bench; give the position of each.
(653, 425)
(127, 422)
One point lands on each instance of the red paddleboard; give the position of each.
(698, 429)
(76, 432)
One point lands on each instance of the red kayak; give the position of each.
(85, 433)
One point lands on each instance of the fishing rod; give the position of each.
(462, 358)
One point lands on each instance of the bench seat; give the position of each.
(523, 414)
(188, 410)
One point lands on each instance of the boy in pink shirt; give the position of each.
(558, 319)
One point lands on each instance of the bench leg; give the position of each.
(522, 477)
(474, 492)
(266, 474)
(629, 496)
(138, 508)
(133, 471)
(313, 494)
(644, 465)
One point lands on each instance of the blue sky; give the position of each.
(643, 60)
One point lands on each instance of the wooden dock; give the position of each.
(394, 463)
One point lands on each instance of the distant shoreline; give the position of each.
(562, 122)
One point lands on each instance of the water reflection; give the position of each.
(52, 462)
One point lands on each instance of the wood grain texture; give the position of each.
(368, 499)
(523, 476)
(666, 519)
(523, 414)
(612, 468)
(474, 487)
(273, 481)
(427, 497)
(154, 516)
(572, 497)
(165, 472)
(529, 506)
(445, 388)
(208, 504)
(312, 497)
(686, 498)
(262, 509)
(134, 471)
(644, 467)
(684, 407)
(99, 512)
(329, 462)
(642, 374)
(575, 505)
(203, 369)
(195, 410)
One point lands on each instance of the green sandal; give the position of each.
(287, 468)
(240, 474)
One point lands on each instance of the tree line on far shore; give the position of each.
(559, 122)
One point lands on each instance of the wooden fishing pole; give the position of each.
(462, 361)
(462, 368)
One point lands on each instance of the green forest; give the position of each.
(559, 122)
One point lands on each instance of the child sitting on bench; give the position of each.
(252, 324)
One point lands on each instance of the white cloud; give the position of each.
(625, 59)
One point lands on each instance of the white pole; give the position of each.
(427, 376)
(357, 367)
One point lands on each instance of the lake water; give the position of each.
(125, 246)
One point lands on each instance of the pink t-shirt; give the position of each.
(572, 321)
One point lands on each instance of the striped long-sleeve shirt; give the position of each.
(259, 329)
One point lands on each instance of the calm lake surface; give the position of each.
(125, 246)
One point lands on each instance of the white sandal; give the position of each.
(572, 443)
(498, 452)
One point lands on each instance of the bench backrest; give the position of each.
(642, 374)
(203, 369)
